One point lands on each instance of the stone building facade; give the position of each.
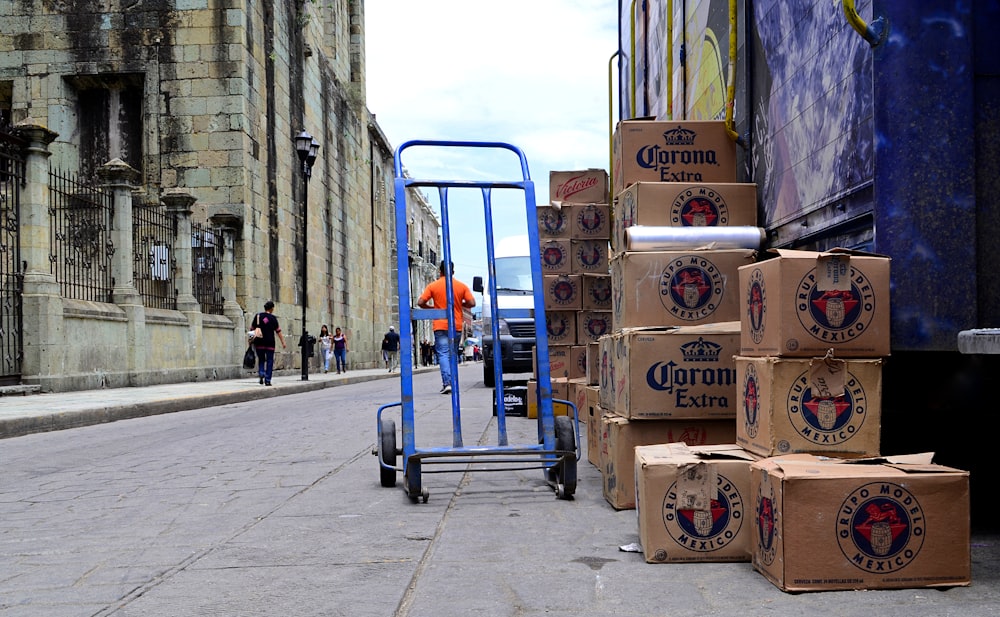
(204, 98)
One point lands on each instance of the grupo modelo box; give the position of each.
(592, 325)
(682, 204)
(560, 327)
(823, 405)
(579, 186)
(563, 292)
(676, 288)
(684, 372)
(802, 303)
(622, 435)
(589, 257)
(590, 221)
(694, 503)
(670, 151)
(556, 255)
(826, 524)
(596, 292)
(553, 222)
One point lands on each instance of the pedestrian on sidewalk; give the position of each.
(340, 350)
(435, 295)
(325, 347)
(269, 329)
(390, 349)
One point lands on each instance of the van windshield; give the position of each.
(513, 273)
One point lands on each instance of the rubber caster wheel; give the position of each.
(387, 444)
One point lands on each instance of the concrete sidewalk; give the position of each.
(23, 413)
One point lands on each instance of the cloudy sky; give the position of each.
(530, 73)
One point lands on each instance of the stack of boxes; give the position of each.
(667, 374)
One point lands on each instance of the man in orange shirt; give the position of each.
(435, 295)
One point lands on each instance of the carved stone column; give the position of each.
(179, 203)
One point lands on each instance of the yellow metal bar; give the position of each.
(670, 59)
(731, 75)
(874, 33)
(632, 57)
(611, 131)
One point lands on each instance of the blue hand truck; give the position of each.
(557, 450)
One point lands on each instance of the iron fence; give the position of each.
(11, 267)
(81, 246)
(207, 245)
(153, 264)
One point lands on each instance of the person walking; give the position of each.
(340, 350)
(325, 347)
(264, 344)
(435, 295)
(390, 349)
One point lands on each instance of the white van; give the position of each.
(512, 265)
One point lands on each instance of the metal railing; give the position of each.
(153, 264)
(81, 246)
(12, 179)
(207, 246)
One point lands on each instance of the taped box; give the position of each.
(694, 502)
(579, 186)
(814, 405)
(831, 524)
(802, 303)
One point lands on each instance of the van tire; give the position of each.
(488, 379)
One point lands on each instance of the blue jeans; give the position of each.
(441, 351)
(341, 355)
(265, 363)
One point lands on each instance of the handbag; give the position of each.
(249, 358)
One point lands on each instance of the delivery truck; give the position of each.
(872, 126)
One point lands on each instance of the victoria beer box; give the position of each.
(802, 303)
(596, 292)
(556, 255)
(682, 204)
(592, 325)
(826, 524)
(684, 372)
(559, 360)
(589, 221)
(676, 288)
(622, 435)
(563, 292)
(823, 405)
(669, 151)
(694, 502)
(553, 222)
(560, 327)
(589, 256)
(588, 186)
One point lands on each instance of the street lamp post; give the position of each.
(307, 149)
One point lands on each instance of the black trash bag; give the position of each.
(250, 358)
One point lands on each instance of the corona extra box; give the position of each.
(592, 325)
(596, 292)
(676, 288)
(694, 502)
(657, 151)
(815, 405)
(680, 373)
(590, 221)
(682, 204)
(556, 255)
(828, 524)
(802, 303)
(563, 292)
(589, 257)
(622, 435)
(580, 186)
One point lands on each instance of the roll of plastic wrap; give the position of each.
(655, 238)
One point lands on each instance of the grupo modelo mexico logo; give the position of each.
(563, 291)
(751, 401)
(691, 287)
(836, 315)
(704, 529)
(592, 220)
(552, 220)
(557, 325)
(590, 257)
(826, 418)
(553, 256)
(595, 326)
(880, 527)
(756, 305)
(699, 206)
(766, 524)
(598, 289)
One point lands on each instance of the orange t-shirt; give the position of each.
(437, 292)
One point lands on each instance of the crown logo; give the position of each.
(679, 136)
(701, 351)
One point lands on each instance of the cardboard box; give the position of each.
(591, 221)
(592, 325)
(802, 303)
(515, 401)
(676, 288)
(622, 435)
(593, 413)
(817, 405)
(560, 390)
(560, 327)
(664, 151)
(605, 371)
(578, 362)
(596, 292)
(589, 257)
(559, 360)
(681, 204)
(694, 502)
(824, 524)
(563, 292)
(594, 363)
(556, 255)
(585, 186)
(676, 373)
(553, 222)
